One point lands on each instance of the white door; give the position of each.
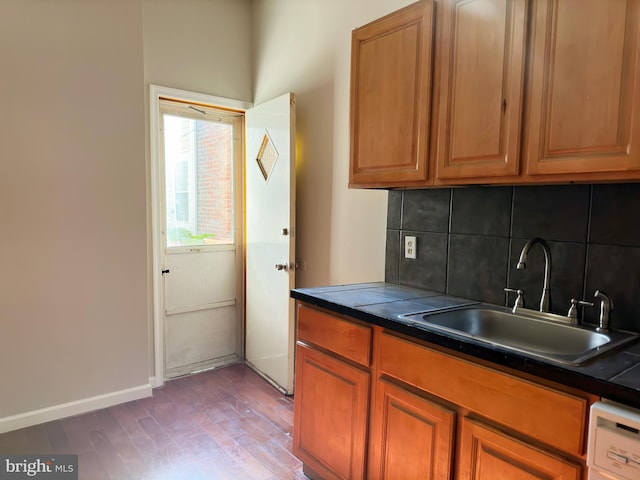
(270, 240)
(201, 234)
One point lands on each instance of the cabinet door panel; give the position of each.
(488, 454)
(584, 87)
(390, 97)
(480, 83)
(411, 437)
(330, 414)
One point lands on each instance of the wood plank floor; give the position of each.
(222, 424)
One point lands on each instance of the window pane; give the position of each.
(199, 181)
(215, 180)
(182, 207)
(182, 177)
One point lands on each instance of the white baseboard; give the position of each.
(76, 407)
(155, 382)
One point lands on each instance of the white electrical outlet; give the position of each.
(410, 247)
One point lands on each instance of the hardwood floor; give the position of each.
(222, 424)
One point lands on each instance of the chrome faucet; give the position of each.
(522, 263)
(606, 306)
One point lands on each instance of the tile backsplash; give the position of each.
(469, 240)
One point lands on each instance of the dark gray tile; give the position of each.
(633, 349)
(443, 301)
(356, 297)
(426, 210)
(478, 267)
(399, 292)
(429, 269)
(394, 310)
(609, 365)
(615, 271)
(481, 211)
(555, 213)
(359, 297)
(399, 309)
(340, 288)
(629, 378)
(394, 209)
(392, 256)
(615, 210)
(566, 280)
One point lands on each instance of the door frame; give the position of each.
(156, 92)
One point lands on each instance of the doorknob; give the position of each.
(282, 266)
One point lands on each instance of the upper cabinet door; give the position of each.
(479, 88)
(584, 99)
(390, 98)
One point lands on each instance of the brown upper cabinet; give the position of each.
(584, 94)
(480, 70)
(391, 98)
(497, 91)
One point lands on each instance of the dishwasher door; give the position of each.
(614, 442)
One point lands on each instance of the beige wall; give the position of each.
(75, 287)
(304, 46)
(73, 232)
(199, 45)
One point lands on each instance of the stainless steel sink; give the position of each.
(532, 333)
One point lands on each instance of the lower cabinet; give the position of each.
(432, 415)
(331, 401)
(330, 425)
(411, 437)
(489, 454)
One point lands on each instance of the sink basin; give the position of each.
(531, 333)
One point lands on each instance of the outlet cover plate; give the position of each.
(410, 247)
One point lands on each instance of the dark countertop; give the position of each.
(613, 375)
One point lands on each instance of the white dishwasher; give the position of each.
(613, 451)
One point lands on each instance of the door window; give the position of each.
(199, 151)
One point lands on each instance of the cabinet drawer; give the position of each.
(550, 416)
(345, 338)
